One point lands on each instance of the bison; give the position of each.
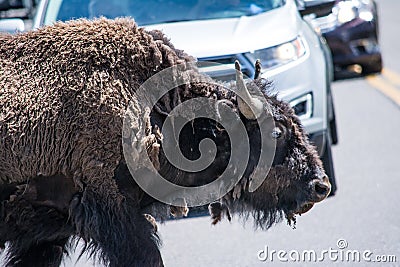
(64, 92)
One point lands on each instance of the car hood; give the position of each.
(216, 37)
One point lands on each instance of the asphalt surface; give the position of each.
(363, 217)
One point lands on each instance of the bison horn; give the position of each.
(249, 106)
(258, 69)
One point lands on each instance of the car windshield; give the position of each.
(157, 11)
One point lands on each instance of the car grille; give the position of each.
(322, 10)
(223, 68)
(324, 17)
(327, 23)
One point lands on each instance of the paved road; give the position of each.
(365, 213)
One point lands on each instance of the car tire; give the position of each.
(327, 160)
(332, 126)
(374, 67)
(376, 16)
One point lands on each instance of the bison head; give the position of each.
(296, 179)
(291, 182)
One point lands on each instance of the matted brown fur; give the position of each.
(64, 90)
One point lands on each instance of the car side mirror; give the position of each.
(12, 25)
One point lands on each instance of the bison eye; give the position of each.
(276, 133)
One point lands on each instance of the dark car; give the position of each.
(351, 30)
(17, 8)
(8, 4)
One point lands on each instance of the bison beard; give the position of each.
(64, 90)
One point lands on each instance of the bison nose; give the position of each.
(320, 189)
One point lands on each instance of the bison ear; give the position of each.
(250, 107)
(257, 67)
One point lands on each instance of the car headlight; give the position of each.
(350, 9)
(303, 106)
(346, 11)
(280, 54)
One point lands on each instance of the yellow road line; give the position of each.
(385, 87)
(391, 76)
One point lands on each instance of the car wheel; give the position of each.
(327, 160)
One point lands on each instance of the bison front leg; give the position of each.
(36, 236)
(36, 233)
(104, 217)
(111, 222)
(44, 254)
(119, 233)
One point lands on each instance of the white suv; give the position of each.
(293, 56)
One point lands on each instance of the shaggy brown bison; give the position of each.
(64, 91)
